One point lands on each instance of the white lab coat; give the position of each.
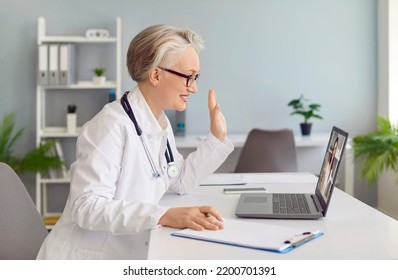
(114, 200)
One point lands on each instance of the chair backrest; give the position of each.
(268, 151)
(22, 230)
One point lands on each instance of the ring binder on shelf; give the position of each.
(42, 75)
(53, 65)
(253, 235)
(67, 74)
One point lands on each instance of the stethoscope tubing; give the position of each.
(168, 153)
(127, 108)
(155, 173)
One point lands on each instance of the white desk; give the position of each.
(314, 140)
(352, 230)
(310, 151)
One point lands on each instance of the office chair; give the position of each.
(268, 151)
(22, 230)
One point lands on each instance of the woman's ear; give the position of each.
(154, 77)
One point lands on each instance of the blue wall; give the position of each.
(259, 54)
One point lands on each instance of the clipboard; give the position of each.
(259, 236)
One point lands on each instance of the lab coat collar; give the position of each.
(146, 119)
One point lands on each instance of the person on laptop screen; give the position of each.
(329, 167)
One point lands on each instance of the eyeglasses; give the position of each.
(190, 78)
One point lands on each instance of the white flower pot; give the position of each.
(99, 80)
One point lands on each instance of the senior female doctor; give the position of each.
(126, 157)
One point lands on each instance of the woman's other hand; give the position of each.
(197, 218)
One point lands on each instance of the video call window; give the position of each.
(329, 166)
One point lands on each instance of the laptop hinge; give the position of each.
(317, 204)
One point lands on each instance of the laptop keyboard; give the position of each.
(286, 203)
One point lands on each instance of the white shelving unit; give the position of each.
(44, 131)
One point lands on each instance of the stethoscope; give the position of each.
(172, 170)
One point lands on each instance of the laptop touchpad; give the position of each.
(255, 199)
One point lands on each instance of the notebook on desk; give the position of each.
(298, 205)
(218, 179)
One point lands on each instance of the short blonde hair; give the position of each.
(158, 45)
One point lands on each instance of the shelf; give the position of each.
(77, 39)
(108, 46)
(55, 180)
(58, 132)
(83, 85)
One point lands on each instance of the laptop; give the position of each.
(296, 205)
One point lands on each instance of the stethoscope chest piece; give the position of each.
(173, 170)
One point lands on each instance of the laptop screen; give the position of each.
(330, 166)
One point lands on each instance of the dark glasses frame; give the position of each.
(190, 78)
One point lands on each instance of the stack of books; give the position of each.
(60, 173)
(51, 220)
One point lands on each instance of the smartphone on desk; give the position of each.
(244, 190)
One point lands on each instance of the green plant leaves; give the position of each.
(99, 71)
(36, 160)
(7, 139)
(301, 107)
(377, 150)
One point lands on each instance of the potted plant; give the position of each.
(302, 106)
(37, 160)
(99, 76)
(377, 150)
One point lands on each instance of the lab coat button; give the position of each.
(146, 243)
(149, 136)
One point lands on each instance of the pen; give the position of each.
(300, 239)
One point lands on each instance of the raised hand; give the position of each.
(218, 126)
